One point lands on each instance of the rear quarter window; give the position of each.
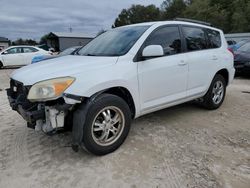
(214, 38)
(195, 38)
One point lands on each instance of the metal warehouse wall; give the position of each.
(237, 37)
(65, 43)
(4, 45)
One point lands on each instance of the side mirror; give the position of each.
(153, 51)
(4, 53)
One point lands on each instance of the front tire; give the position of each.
(107, 124)
(1, 65)
(216, 93)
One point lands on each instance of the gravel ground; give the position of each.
(183, 146)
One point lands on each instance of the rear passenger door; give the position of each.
(29, 53)
(202, 57)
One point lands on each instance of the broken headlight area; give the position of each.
(49, 116)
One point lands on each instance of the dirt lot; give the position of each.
(184, 146)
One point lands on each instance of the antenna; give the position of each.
(70, 29)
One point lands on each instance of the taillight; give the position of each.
(231, 50)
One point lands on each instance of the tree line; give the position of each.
(229, 15)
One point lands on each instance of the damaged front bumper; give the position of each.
(17, 105)
(46, 116)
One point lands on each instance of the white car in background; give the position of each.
(19, 55)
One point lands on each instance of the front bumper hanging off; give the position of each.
(46, 116)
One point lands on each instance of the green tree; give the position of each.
(44, 38)
(173, 9)
(228, 15)
(203, 11)
(137, 14)
(21, 41)
(241, 16)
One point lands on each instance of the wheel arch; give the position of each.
(125, 94)
(225, 73)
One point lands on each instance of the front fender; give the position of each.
(89, 89)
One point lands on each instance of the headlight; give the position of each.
(49, 89)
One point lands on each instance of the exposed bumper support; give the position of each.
(29, 116)
(39, 116)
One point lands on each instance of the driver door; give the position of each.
(163, 80)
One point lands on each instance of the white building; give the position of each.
(4, 43)
(60, 41)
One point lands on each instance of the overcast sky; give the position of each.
(34, 18)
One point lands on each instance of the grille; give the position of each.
(19, 92)
(18, 89)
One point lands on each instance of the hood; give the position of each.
(240, 56)
(60, 67)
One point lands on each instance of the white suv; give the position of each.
(120, 75)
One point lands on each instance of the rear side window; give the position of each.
(214, 38)
(29, 50)
(195, 38)
(168, 37)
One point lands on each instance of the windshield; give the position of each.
(115, 42)
(245, 47)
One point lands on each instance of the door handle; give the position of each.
(182, 63)
(214, 58)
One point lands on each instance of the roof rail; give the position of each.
(193, 21)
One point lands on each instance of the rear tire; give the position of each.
(1, 65)
(107, 124)
(216, 93)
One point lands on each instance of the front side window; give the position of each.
(195, 38)
(115, 42)
(29, 50)
(168, 37)
(14, 51)
(213, 38)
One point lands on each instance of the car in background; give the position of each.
(242, 59)
(69, 51)
(236, 46)
(19, 55)
(231, 43)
